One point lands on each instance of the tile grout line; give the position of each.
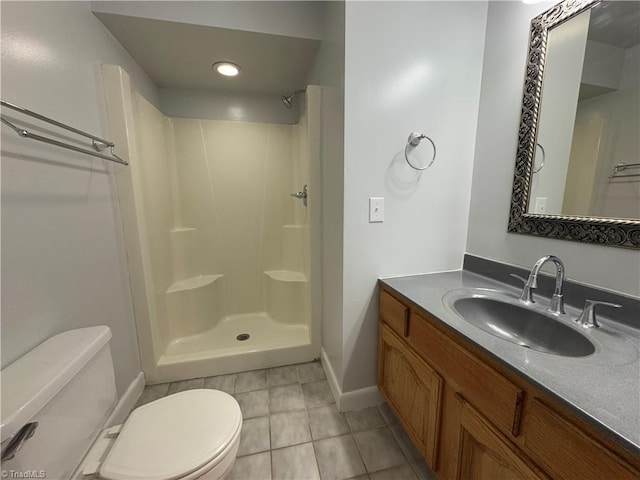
(409, 461)
(315, 455)
(360, 453)
(404, 449)
(270, 444)
(412, 463)
(379, 427)
(305, 409)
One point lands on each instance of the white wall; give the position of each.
(500, 101)
(603, 64)
(63, 259)
(328, 71)
(410, 66)
(290, 18)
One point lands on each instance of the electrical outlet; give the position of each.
(376, 209)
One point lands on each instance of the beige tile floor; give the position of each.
(292, 429)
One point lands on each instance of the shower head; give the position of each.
(287, 100)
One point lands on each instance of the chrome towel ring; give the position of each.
(414, 140)
(536, 170)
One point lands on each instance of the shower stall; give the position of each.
(220, 254)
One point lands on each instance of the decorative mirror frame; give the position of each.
(601, 231)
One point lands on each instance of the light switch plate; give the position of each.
(376, 209)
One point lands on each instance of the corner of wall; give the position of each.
(353, 400)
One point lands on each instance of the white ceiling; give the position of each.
(616, 23)
(180, 55)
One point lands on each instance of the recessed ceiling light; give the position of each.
(227, 69)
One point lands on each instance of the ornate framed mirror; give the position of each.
(577, 171)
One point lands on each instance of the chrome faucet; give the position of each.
(557, 302)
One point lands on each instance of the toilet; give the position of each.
(57, 401)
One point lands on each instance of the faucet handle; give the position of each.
(587, 318)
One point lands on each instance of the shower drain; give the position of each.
(242, 337)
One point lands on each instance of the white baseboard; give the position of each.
(361, 398)
(127, 401)
(331, 377)
(354, 400)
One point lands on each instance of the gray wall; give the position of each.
(304, 20)
(409, 66)
(63, 259)
(503, 73)
(291, 18)
(193, 103)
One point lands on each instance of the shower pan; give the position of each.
(220, 263)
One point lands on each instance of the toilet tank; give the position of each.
(67, 385)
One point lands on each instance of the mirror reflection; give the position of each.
(587, 159)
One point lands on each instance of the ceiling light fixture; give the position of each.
(227, 69)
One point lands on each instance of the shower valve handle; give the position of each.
(303, 194)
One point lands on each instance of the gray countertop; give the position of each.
(602, 388)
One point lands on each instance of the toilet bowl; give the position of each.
(63, 391)
(187, 435)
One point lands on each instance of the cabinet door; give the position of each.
(484, 454)
(413, 390)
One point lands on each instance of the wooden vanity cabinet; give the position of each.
(472, 418)
(566, 451)
(413, 390)
(496, 397)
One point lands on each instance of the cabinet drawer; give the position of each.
(495, 397)
(565, 451)
(394, 314)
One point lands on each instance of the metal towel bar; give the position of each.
(620, 167)
(98, 144)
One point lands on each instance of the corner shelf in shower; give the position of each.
(193, 283)
(286, 276)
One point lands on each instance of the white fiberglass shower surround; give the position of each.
(218, 250)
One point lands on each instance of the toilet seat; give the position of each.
(181, 436)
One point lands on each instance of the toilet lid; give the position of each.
(174, 436)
